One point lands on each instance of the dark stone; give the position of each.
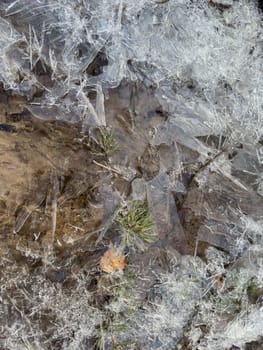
(7, 127)
(260, 5)
(96, 67)
(254, 345)
(56, 276)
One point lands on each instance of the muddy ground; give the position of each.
(61, 192)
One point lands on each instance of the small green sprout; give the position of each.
(125, 345)
(104, 144)
(100, 342)
(254, 290)
(136, 222)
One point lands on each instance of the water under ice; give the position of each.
(107, 102)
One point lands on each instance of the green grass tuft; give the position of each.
(136, 222)
(104, 144)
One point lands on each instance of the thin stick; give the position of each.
(54, 205)
(107, 168)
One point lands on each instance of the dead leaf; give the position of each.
(219, 281)
(112, 260)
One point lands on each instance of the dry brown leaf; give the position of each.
(112, 260)
(219, 281)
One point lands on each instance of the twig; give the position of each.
(107, 167)
(54, 206)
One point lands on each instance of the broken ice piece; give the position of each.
(139, 190)
(170, 132)
(162, 206)
(220, 235)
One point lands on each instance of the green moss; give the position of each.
(119, 314)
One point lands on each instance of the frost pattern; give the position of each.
(204, 66)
